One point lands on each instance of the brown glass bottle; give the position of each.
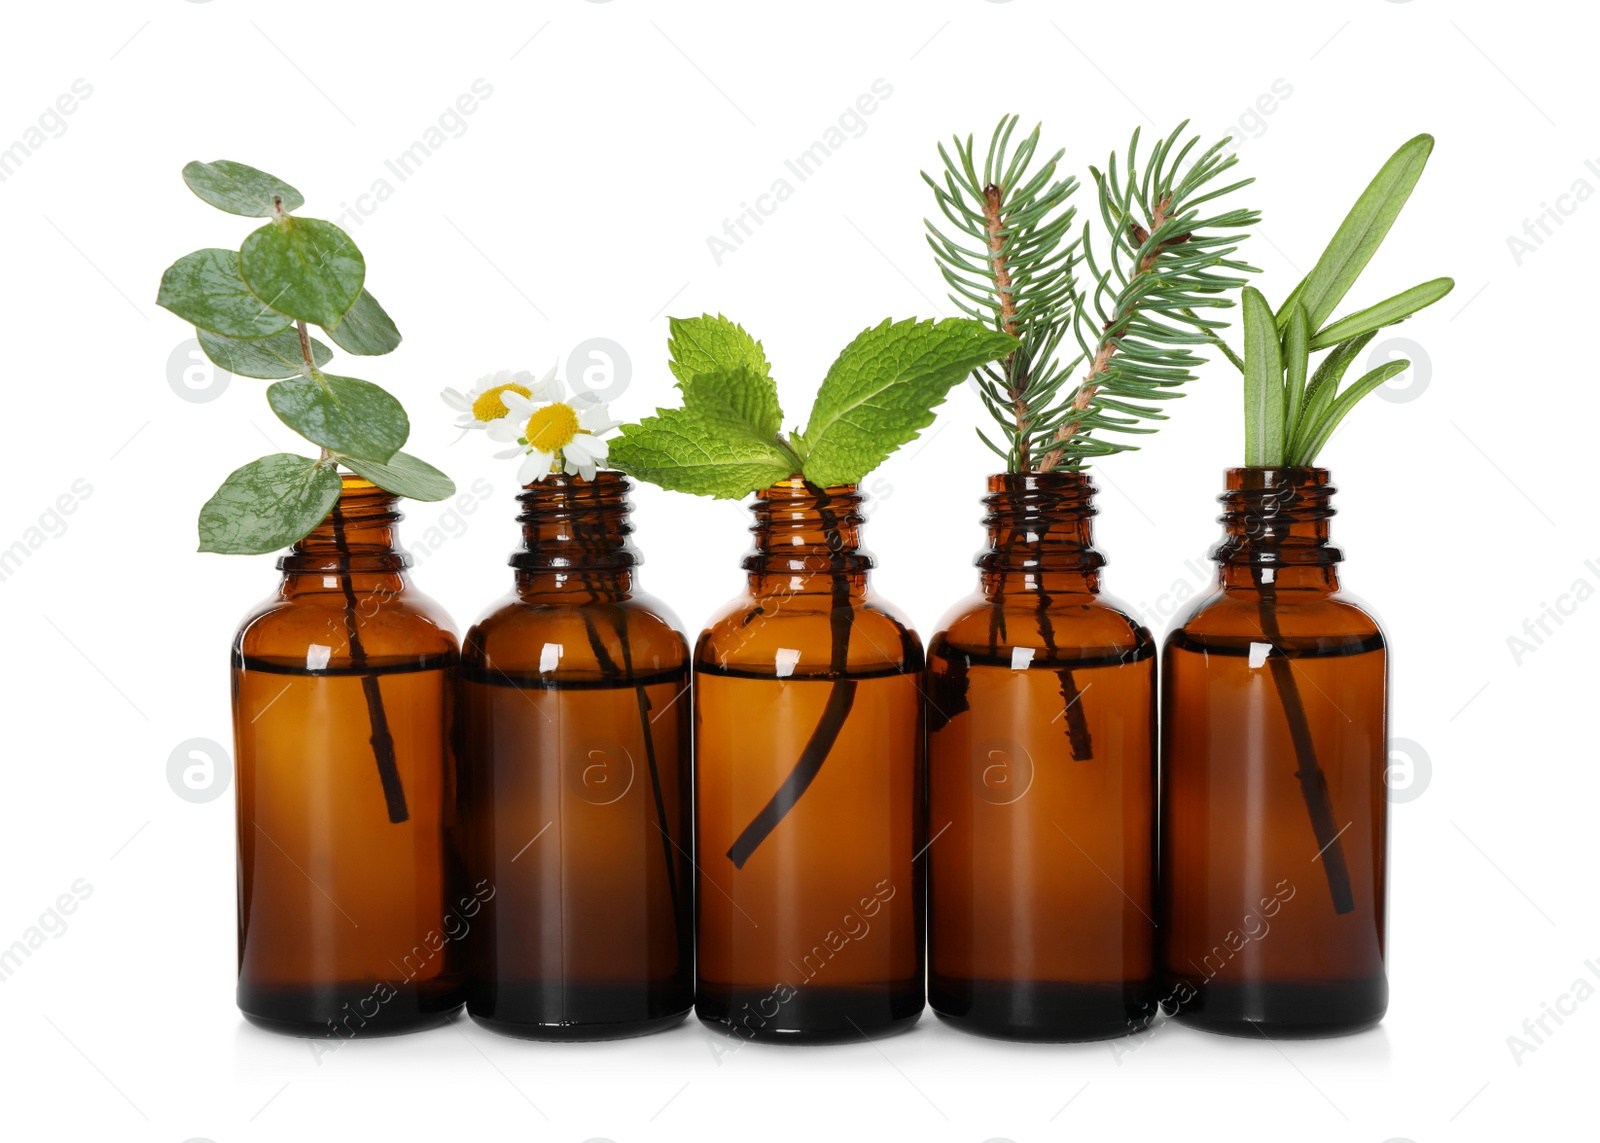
(343, 688)
(1041, 783)
(809, 787)
(577, 784)
(1273, 804)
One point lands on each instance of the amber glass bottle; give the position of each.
(1041, 783)
(1273, 811)
(343, 688)
(808, 787)
(577, 784)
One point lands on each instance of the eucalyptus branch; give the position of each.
(251, 310)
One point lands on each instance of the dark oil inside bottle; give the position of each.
(1046, 933)
(590, 934)
(348, 924)
(817, 936)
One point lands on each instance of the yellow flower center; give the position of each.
(489, 406)
(552, 428)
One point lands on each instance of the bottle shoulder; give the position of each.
(1300, 615)
(391, 625)
(1068, 627)
(545, 633)
(792, 635)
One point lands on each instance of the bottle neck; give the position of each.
(807, 539)
(1040, 539)
(576, 536)
(356, 545)
(1275, 530)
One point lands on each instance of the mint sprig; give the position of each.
(726, 440)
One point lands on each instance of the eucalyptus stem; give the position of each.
(378, 718)
(382, 741)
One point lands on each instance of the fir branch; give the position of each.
(1135, 326)
(1167, 259)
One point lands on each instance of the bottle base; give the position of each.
(348, 1011)
(556, 1010)
(578, 1033)
(810, 1015)
(1284, 1011)
(1043, 1011)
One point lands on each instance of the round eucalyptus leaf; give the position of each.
(365, 329)
(268, 504)
(240, 189)
(342, 414)
(307, 268)
(269, 358)
(206, 289)
(404, 475)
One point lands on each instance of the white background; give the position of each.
(576, 203)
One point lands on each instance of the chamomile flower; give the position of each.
(556, 434)
(484, 403)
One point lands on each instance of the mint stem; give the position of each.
(841, 697)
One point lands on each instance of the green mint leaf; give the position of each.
(686, 451)
(883, 388)
(207, 290)
(1360, 234)
(304, 267)
(706, 343)
(737, 400)
(268, 504)
(404, 475)
(365, 329)
(342, 414)
(240, 189)
(269, 358)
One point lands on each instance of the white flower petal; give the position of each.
(507, 454)
(521, 407)
(456, 401)
(596, 417)
(504, 429)
(536, 467)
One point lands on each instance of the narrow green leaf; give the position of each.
(1386, 312)
(206, 289)
(268, 504)
(304, 267)
(1361, 233)
(240, 189)
(1324, 387)
(882, 390)
(1263, 384)
(342, 414)
(1296, 361)
(365, 329)
(1323, 429)
(706, 343)
(269, 358)
(404, 475)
